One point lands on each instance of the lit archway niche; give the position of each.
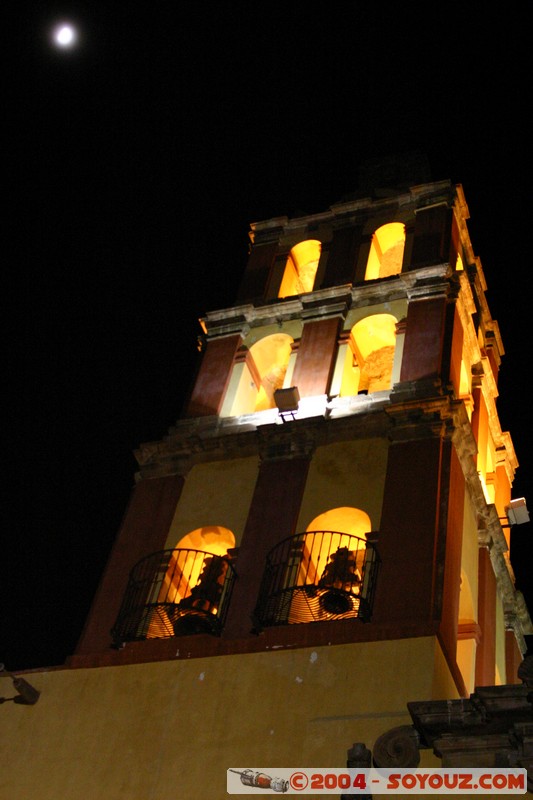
(321, 575)
(344, 519)
(257, 374)
(271, 358)
(370, 355)
(338, 524)
(300, 270)
(210, 539)
(185, 569)
(386, 251)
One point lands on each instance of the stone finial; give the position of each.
(359, 756)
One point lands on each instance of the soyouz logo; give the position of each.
(260, 780)
(381, 781)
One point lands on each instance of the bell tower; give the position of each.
(324, 531)
(338, 472)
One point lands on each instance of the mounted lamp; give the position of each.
(27, 694)
(287, 401)
(517, 512)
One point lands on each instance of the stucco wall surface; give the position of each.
(170, 730)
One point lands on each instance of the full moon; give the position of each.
(65, 35)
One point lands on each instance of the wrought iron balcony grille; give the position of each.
(318, 576)
(175, 593)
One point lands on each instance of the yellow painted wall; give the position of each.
(443, 683)
(216, 493)
(169, 730)
(468, 598)
(346, 474)
(470, 551)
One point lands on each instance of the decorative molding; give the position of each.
(424, 416)
(397, 747)
(338, 300)
(492, 728)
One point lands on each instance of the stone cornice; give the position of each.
(338, 300)
(421, 196)
(490, 531)
(420, 419)
(483, 376)
(264, 434)
(491, 728)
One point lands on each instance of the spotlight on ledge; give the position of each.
(287, 401)
(517, 512)
(27, 695)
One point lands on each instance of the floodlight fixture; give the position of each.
(27, 694)
(517, 512)
(287, 401)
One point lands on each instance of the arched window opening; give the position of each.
(300, 269)
(211, 539)
(349, 520)
(271, 358)
(386, 251)
(181, 591)
(194, 582)
(370, 356)
(329, 556)
(324, 574)
(257, 374)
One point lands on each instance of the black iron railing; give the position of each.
(318, 576)
(175, 593)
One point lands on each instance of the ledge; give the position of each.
(285, 637)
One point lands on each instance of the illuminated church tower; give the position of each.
(323, 536)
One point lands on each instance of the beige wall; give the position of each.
(216, 493)
(169, 730)
(346, 474)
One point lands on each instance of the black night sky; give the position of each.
(133, 165)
